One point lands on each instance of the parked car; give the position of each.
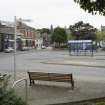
(8, 50)
(25, 49)
(49, 48)
(43, 47)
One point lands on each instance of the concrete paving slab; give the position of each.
(46, 93)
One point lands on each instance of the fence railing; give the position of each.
(20, 80)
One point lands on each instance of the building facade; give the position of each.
(25, 36)
(7, 38)
(28, 35)
(38, 40)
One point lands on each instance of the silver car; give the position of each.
(8, 50)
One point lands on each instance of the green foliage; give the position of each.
(83, 31)
(98, 103)
(3, 83)
(59, 35)
(101, 103)
(44, 30)
(100, 36)
(70, 37)
(9, 98)
(7, 95)
(92, 6)
(93, 103)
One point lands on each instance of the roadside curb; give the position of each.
(97, 66)
(83, 102)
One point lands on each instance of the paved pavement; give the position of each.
(45, 93)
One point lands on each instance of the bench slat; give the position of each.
(39, 78)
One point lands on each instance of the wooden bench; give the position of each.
(50, 77)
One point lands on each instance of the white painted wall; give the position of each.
(38, 43)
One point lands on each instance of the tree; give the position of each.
(100, 37)
(92, 6)
(44, 30)
(59, 36)
(83, 31)
(70, 37)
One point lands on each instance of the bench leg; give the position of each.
(32, 82)
(72, 83)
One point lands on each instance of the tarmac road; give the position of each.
(33, 61)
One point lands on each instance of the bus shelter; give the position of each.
(80, 47)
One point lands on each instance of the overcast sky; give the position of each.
(43, 13)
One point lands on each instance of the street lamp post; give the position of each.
(15, 45)
(15, 37)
